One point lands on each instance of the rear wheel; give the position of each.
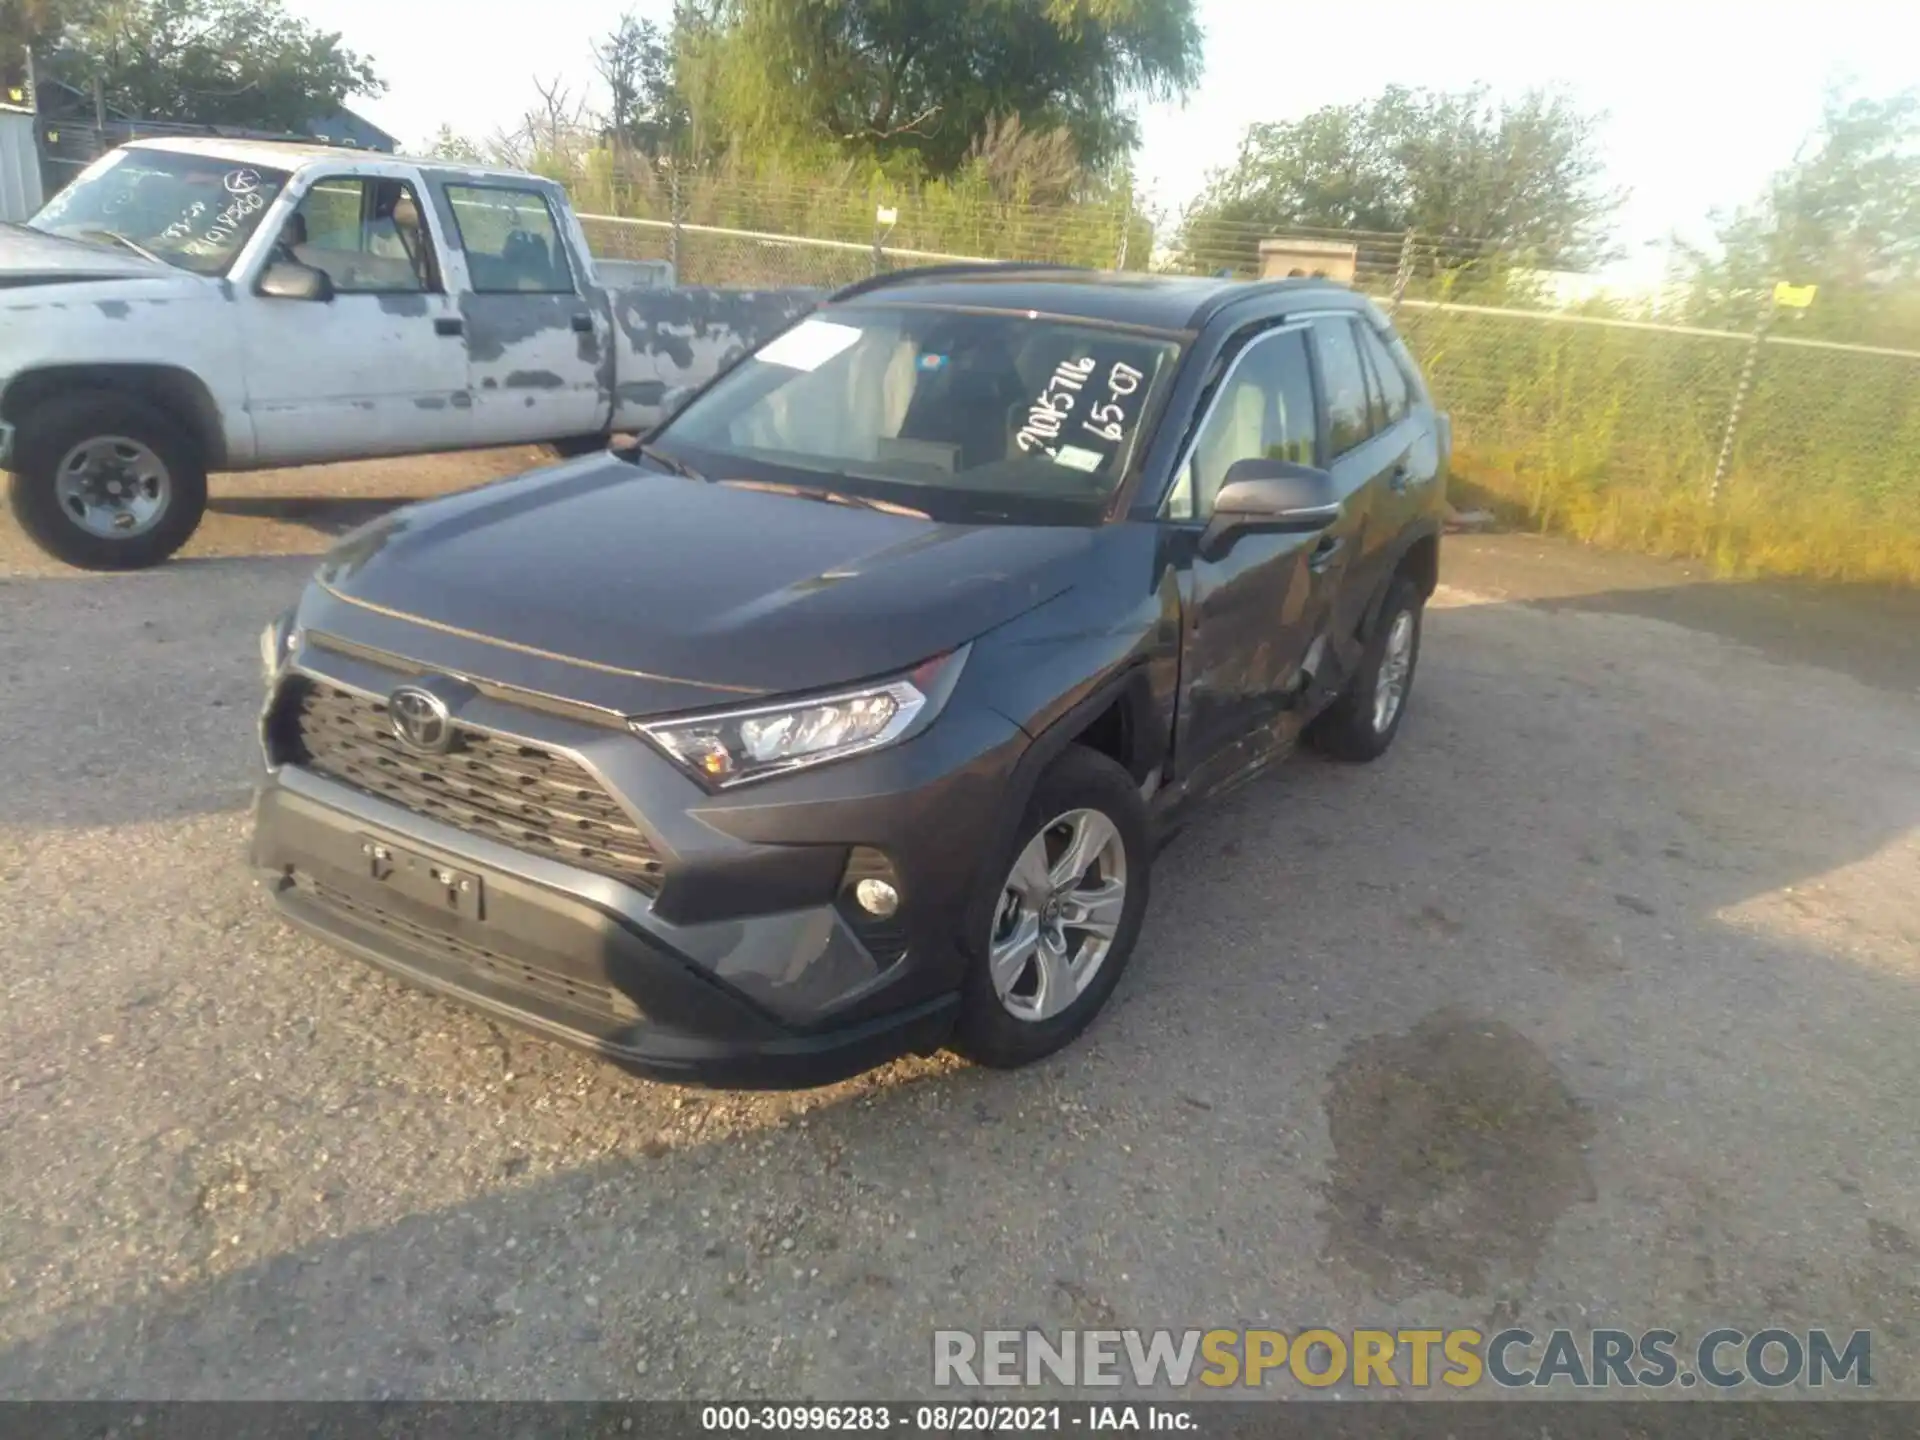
(1063, 915)
(576, 446)
(106, 482)
(1361, 724)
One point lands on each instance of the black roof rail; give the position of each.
(1245, 290)
(956, 269)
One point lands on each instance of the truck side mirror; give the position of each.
(290, 280)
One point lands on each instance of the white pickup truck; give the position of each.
(196, 305)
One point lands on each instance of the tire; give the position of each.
(576, 446)
(162, 457)
(1024, 1027)
(1351, 728)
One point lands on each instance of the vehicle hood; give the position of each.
(694, 593)
(32, 257)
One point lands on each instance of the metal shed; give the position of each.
(20, 194)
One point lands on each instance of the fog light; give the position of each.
(877, 897)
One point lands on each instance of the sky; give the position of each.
(1705, 99)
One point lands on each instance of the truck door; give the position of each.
(534, 339)
(1256, 610)
(379, 369)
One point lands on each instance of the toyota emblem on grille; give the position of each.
(421, 719)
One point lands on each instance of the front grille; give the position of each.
(506, 970)
(519, 795)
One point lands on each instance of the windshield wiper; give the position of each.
(667, 462)
(129, 242)
(827, 497)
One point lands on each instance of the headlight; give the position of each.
(731, 747)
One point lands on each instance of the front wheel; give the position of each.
(1061, 919)
(106, 482)
(1361, 724)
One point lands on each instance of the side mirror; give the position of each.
(1275, 496)
(290, 280)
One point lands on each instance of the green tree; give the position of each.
(1453, 166)
(1844, 216)
(925, 78)
(210, 62)
(645, 108)
(24, 25)
(446, 145)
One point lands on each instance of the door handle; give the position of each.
(583, 324)
(1325, 553)
(449, 325)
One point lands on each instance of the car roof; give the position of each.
(1158, 302)
(295, 154)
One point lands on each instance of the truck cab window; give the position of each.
(365, 233)
(512, 242)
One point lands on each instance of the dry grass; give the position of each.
(1612, 436)
(1755, 531)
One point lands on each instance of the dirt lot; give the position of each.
(1593, 1004)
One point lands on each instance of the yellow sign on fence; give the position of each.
(1794, 297)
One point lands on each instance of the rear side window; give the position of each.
(512, 241)
(1344, 376)
(1389, 380)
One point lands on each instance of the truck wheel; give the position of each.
(1062, 917)
(1361, 724)
(576, 446)
(106, 482)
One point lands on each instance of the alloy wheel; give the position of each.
(1396, 665)
(1059, 911)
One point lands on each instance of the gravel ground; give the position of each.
(1592, 1004)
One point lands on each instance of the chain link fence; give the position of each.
(1604, 417)
(729, 230)
(1765, 453)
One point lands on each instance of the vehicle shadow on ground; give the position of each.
(1527, 1022)
(329, 515)
(1870, 632)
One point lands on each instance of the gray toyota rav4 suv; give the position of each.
(839, 717)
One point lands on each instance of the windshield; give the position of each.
(983, 415)
(193, 211)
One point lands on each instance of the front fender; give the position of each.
(174, 338)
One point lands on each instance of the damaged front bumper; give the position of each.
(593, 971)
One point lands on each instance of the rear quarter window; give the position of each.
(1344, 378)
(1389, 380)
